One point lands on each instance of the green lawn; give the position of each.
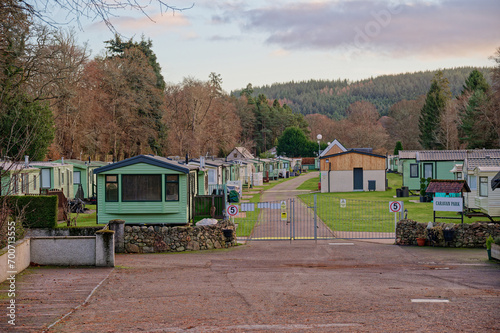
(310, 184)
(421, 212)
(83, 220)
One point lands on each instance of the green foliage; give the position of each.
(489, 241)
(475, 130)
(430, 118)
(117, 47)
(476, 81)
(39, 211)
(399, 146)
(333, 97)
(268, 121)
(424, 182)
(26, 128)
(294, 143)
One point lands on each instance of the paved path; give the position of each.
(300, 224)
(271, 287)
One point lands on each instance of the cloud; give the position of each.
(153, 25)
(439, 28)
(280, 53)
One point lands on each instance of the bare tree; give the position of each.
(76, 10)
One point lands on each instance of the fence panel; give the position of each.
(203, 206)
(356, 219)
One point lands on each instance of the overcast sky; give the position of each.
(263, 42)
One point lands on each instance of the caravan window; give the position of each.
(473, 182)
(413, 170)
(45, 178)
(141, 188)
(172, 188)
(76, 177)
(428, 170)
(483, 186)
(111, 188)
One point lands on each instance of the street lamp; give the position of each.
(319, 137)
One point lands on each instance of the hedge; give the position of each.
(40, 211)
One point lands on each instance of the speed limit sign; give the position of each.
(232, 210)
(396, 206)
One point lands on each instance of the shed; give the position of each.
(352, 170)
(148, 189)
(446, 186)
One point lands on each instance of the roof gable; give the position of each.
(159, 161)
(447, 186)
(333, 144)
(353, 151)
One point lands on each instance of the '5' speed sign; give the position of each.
(395, 206)
(232, 210)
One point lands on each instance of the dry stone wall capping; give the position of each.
(151, 239)
(446, 234)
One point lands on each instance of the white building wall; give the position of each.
(343, 181)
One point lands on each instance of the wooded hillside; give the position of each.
(332, 98)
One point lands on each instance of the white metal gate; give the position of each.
(314, 217)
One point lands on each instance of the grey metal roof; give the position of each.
(448, 155)
(407, 153)
(149, 159)
(473, 163)
(456, 155)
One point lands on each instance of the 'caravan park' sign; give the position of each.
(448, 204)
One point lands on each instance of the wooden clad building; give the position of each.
(352, 170)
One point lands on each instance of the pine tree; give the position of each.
(430, 117)
(475, 130)
(399, 146)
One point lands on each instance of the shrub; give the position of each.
(489, 241)
(39, 211)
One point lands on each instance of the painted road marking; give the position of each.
(340, 243)
(419, 300)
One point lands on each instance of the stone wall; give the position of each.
(150, 239)
(446, 234)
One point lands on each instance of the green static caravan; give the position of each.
(436, 164)
(55, 176)
(84, 177)
(18, 179)
(217, 172)
(245, 169)
(148, 189)
(284, 165)
(270, 168)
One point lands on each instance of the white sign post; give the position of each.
(442, 204)
(396, 207)
(448, 204)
